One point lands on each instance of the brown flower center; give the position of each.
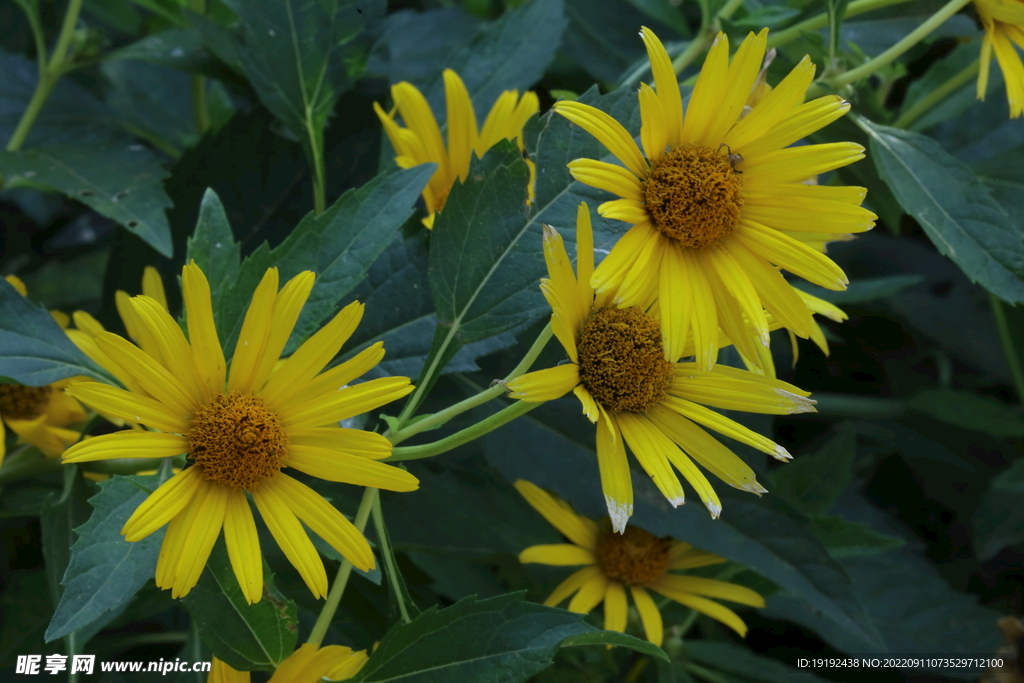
(695, 195)
(635, 557)
(23, 403)
(237, 441)
(622, 363)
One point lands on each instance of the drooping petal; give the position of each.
(243, 545)
(164, 504)
(557, 555)
(725, 426)
(616, 482)
(616, 609)
(545, 385)
(608, 177)
(572, 584)
(703, 605)
(590, 595)
(712, 588)
(204, 518)
(286, 529)
(648, 445)
(579, 530)
(650, 616)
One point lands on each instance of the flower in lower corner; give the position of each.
(308, 664)
(635, 559)
(241, 429)
(716, 198)
(39, 415)
(1003, 21)
(420, 141)
(617, 370)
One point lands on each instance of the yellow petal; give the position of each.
(769, 111)
(16, 282)
(174, 348)
(725, 426)
(153, 286)
(654, 128)
(704, 312)
(640, 285)
(557, 555)
(545, 385)
(798, 124)
(794, 164)
(252, 340)
(420, 120)
(734, 389)
(712, 588)
(572, 584)
(807, 215)
(616, 610)
(207, 355)
(616, 481)
(779, 297)
(788, 253)
(590, 408)
(128, 444)
(163, 505)
(335, 465)
(138, 332)
(128, 406)
(243, 545)
(204, 519)
(650, 616)
(608, 177)
(668, 87)
(310, 358)
(461, 123)
(584, 256)
(153, 377)
(608, 132)
(324, 520)
(676, 300)
(287, 307)
(625, 210)
(743, 70)
(326, 383)
(222, 673)
(649, 445)
(344, 403)
(354, 441)
(736, 281)
(708, 91)
(702, 605)
(579, 530)
(612, 270)
(286, 529)
(590, 595)
(562, 280)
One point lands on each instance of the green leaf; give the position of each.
(212, 246)
(248, 637)
(812, 482)
(22, 619)
(740, 661)
(863, 290)
(844, 538)
(339, 246)
(1003, 175)
(57, 283)
(552, 446)
(602, 37)
(397, 290)
(298, 55)
(970, 412)
(33, 348)
(120, 181)
(501, 639)
(999, 520)
(105, 570)
(939, 73)
(952, 205)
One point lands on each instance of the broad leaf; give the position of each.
(955, 209)
(213, 248)
(300, 56)
(105, 570)
(33, 348)
(338, 245)
(812, 482)
(498, 640)
(552, 447)
(736, 660)
(970, 412)
(844, 538)
(999, 521)
(248, 637)
(120, 181)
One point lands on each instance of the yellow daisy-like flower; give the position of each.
(618, 371)
(421, 142)
(308, 664)
(240, 429)
(716, 197)
(39, 415)
(635, 558)
(1004, 27)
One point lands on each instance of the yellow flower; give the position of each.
(308, 664)
(241, 433)
(420, 142)
(637, 398)
(635, 558)
(1004, 27)
(39, 415)
(716, 198)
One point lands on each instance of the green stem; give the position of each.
(316, 636)
(48, 77)
(865, 407)
(200, 108)
(388, 555)
(705, 36)
(820, 21)
(936, 96)
(910, 40)
(32, 14)
(498, 389)
(319, 174)
(500, 418)
(1009, 348)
